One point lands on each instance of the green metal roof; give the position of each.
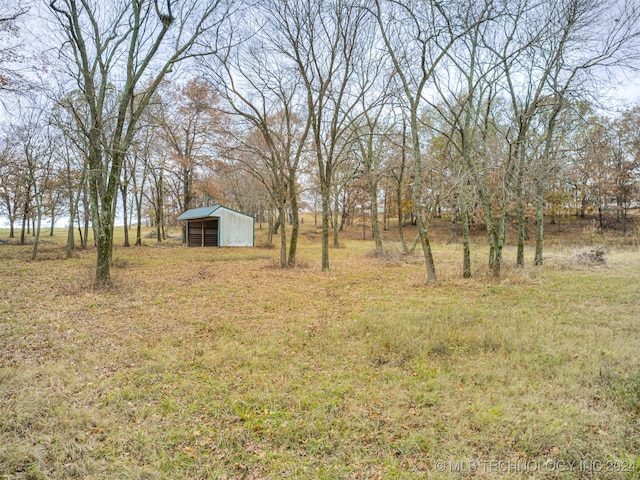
(198, 213)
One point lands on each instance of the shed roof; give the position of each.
(198, 213)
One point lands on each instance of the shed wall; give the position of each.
(236, 230)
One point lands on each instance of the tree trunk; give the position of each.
(364, 225)
(160, 207)
(521, 156)
(336, 205)
(36, 228)
(103, 205)
(521, 231)
(399, 190)
(385, 210)
(158, 225)
(72, 217)
(326, 211)
(53, 220)
(405, 250)
(417, 200)
(82, 244)
(315, 209)
(464, 213)
(539, 225)
(270, 231)
(345, 212)
(103, 261)
(600, 216)
(583, 206)
(375, 222)
(295, 223)
(85, 241)
(499, 243)
(138, 200)
(123, 189)
(275, 227)
(23, 231)
(282, 219)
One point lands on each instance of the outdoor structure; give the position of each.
(218, 226)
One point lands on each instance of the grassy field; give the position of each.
(214, 363)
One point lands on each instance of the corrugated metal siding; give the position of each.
(236, 229)
(198, 213)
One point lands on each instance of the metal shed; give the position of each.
(218, 226)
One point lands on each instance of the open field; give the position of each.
(214, 363)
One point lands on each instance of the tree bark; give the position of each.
(375, 222)
(336, 216)
(326, 211)
(295, 222)
(464, 213)
(53, 220)
(417, 200)
(36, 230)
(282, 220)
(539, 225)
(123, 190)
(405, 250)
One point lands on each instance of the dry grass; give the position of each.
(213, 363)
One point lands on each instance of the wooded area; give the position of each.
(484, 113)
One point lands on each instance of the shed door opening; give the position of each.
(203, 233)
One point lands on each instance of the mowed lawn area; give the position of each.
(214, 363)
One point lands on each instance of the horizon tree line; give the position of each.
(487, 111)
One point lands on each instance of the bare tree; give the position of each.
(11, 183)
(128, 48)
(141, 159)
(72, 152)
(463, 89)
(322, 42)
(36, 146)
(417, 36)
(271, 130)
(373, 123)
(582, 56)
(12, 56)
(188, 117)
